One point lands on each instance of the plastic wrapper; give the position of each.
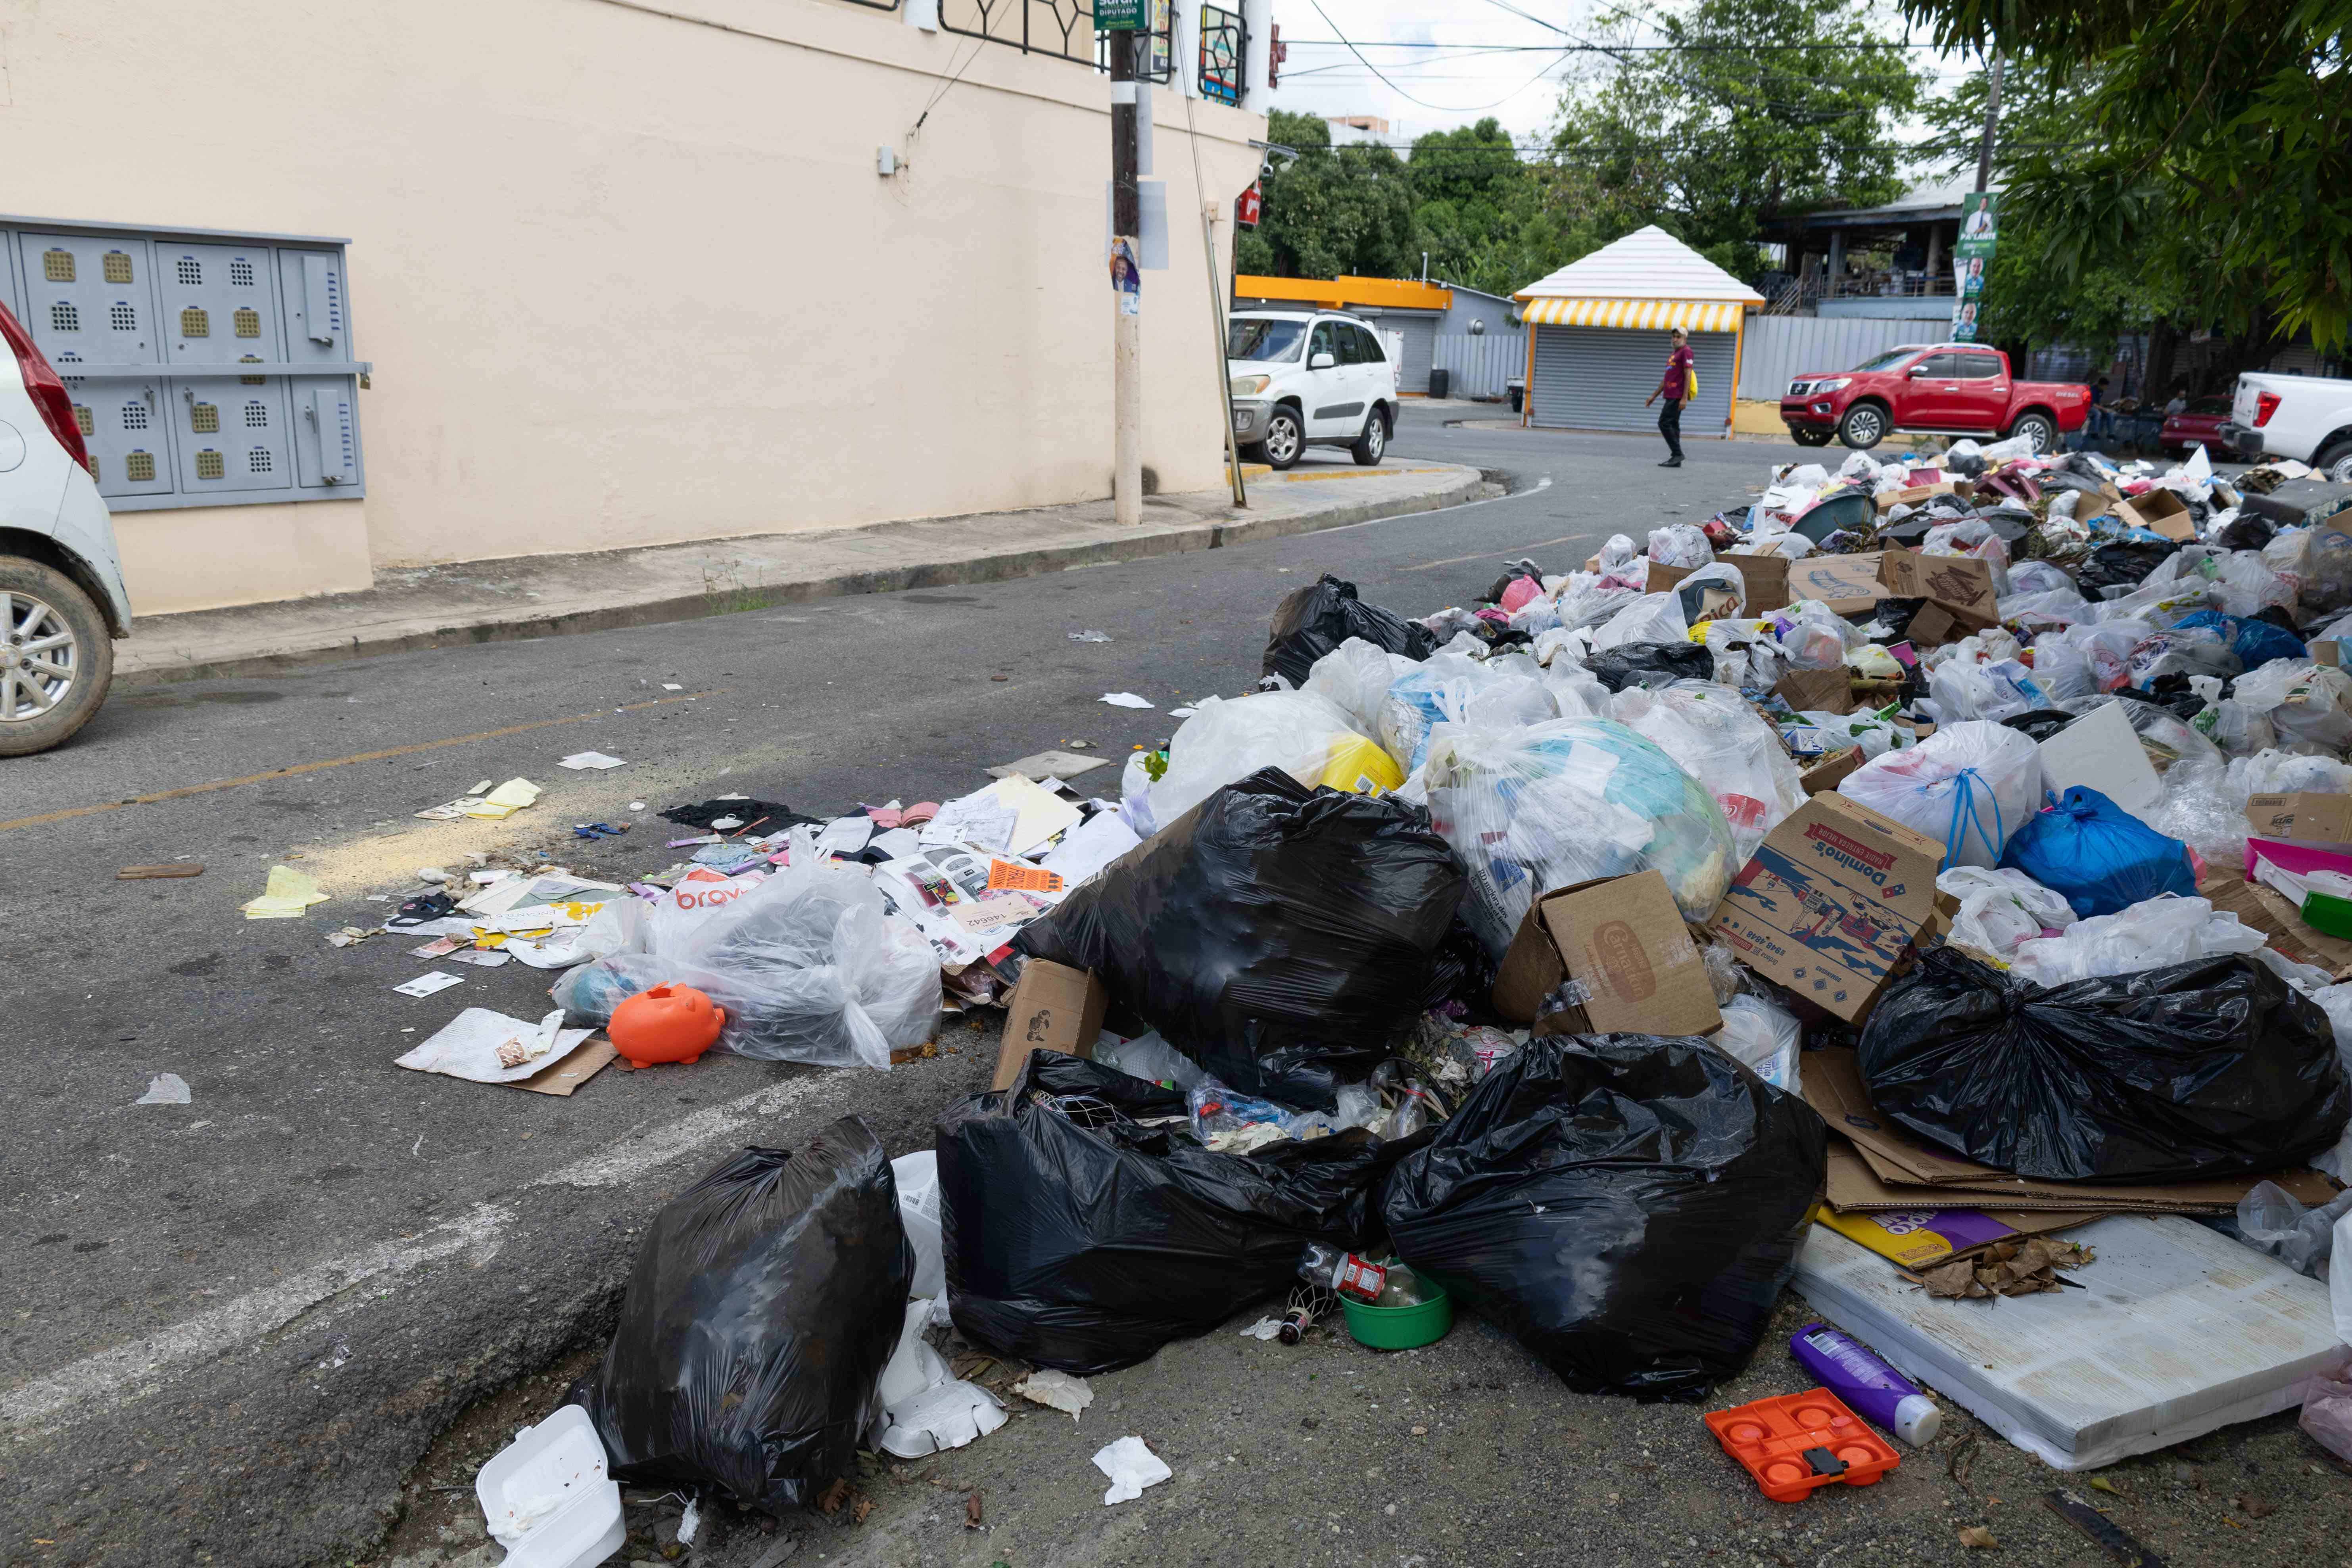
(2327, 1411)
(1280, 938)
(1745, 657)
(1554, 805)
(765, 1301)
(2038, 577)
(1651, 664)
(2205, 1069)
(1717, 739)
(2255, 641)
(1969, 786)
(1355, 678)
(1681, 544)
(1227, 739)
(2193, 650)
(1652, 618)
(1627, 1207)
(1313, 620)
(1589, 600)
(2272, 1220)
(2288, 773)
(1814, 636)
(2000, 908)
(2101, 858)
(1765, 1039)
(2063, 671)
(1150, 1059)
(2237, 730)
(1452, 689)
(2034, 612)
(2302, 701)
(1992, 690)
(2198, 809)
(1617, 553)
(2148, 935)
(1078, 1239)
(1875, 736)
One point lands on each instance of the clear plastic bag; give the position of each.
(1814, 636)
(2167, 739)
(1653, 618)
(1452, 689)
(1681, 544)
(1767, 1039)
(1970, 786)
(1990, 691)
(2198, 809)
(2062, 670)
(2302, 701)
(2286, 773)
(1617, 553)
(1230, 739)
(1725, 745)
(1355, 678)
(1150, 1057)
(2183, 650)
(1588, 599)
(2148, 935)
(2272, 1220)
(1553, 804)
(2040, 577)
(2000, 907)
(2236, 729)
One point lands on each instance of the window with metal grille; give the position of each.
(240, 272)
(134, 416)
(139, 467)
(195, 324)
(203, 418)
(122, 316)
(191, 272)
(256, 416)
(63, 317)
(249, 322)
(210, 465)
(116, 267)
(1061, 28)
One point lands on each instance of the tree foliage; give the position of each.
(1331, 210)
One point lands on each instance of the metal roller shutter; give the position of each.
(1420, 349)
(1594, 378)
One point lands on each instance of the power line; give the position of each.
(1581, 49)
(1440, 108)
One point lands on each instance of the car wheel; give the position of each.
(1286, 438)
(57, 657)
(2039, 432)
(1374, 441)
(2336, 462)
(1806, 435)
(1864, 426)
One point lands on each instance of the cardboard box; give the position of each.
(1816, 690)
(1831, 771)
(1830, 901)
(1961, 584)
(1934, 626)
(1620, 947)
(1912, 495)
(2302, 816)
(1766, 577)
(1846, 583)
(1053, 1009)
(2160, 512)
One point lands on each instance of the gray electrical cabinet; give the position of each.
(206, 369)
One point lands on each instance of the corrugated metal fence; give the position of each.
(1777, 347)
(1480, 364)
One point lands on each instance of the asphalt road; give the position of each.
(233, 1327)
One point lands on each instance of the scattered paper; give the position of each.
(1056, 1391)
(288, 894)
(440, 947)
(480, 958)
(1181, 713)
(1049, 765)
(980, 820)
(1264, 1328)
(845, 834)
(1088, 636)
(351, 936)
(1091, 845)
(426, 984)
(483, 1046)
(578, 760)
(1131, 1467)
(1126, 700)
(1006, 876)
(170, 1088)
(672, 686)
(485, 802)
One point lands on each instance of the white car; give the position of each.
(1309, 379)
(62, 598)
(2308, 417)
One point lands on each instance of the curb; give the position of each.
(993, 568)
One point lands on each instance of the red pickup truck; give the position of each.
(1944, 389)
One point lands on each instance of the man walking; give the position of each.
(1675, 388)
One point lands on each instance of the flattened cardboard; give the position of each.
(1830, 901)
(1848, 584)
(1961, 584)
(1934, 626)
(1912, 495)
(2269, 912)
(1622, 948)
(1816, 690)
(2101, 749)
(1053, 1009)
(1831, 771)
(2304, 816)
(1766, 572)
(2160, 512)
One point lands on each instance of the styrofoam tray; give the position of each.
(561, 1458)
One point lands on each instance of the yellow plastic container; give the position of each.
(1362, 767)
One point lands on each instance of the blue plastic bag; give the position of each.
(2098, 857)
(2255, 641)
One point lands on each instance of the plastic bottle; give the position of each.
(1849, 1370)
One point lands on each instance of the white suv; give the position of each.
(62, 598)
(1309, 379)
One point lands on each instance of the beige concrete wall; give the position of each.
(630, 280)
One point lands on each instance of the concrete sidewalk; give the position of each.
(549, 596)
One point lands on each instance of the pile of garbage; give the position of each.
(1961, 841)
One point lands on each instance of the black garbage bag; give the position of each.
(1281, 937)
(1079, 1239)
(1628, 1206)
(1461, 970)
(2121, 565)
(1651, 664)
(2207, 1069)
(2040, 724)
(765, 1301)
(1313, 620)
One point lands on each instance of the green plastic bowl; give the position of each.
(1400, 1328)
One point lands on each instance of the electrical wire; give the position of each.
(1440, 108)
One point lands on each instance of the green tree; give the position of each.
(1330, 210)
(1708, 141)
(2208, 149)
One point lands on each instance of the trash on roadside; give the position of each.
(1126, 700)
(426, 984)
(288, 895)
(546, 1498)
(1131, 1467)
(165, 1089)
(579, 761)
(159, 873)
(483, 801)
(1056, 1391)
(1849, 1370)
(1054, 1007)
(664, 1023)
(1796, 1443)
(706, 1383)
(2006, 1269)
(926, 1409)
(1313, 620)
(1089, 635)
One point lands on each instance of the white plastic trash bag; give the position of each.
(2148, 935)
(1227, 740)
(1653, 618)
(1970, 786)
(1452, 688)
(2001, 908)
(1717, 739)
(1767, 1039)
(1681, 544)
(1355, 678)
(1552, 804)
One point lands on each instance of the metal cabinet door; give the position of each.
(326, 431)
(230, 435)
(219, 302)
(88, 300)
(318, 320)
(122, 425)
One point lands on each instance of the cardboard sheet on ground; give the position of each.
(287, 894)
(1037, 815)
(1044, 765)
(2178, 1331)
(468, 1047)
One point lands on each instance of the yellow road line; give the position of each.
(71, 812)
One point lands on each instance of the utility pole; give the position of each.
(1992, 121)
(1127, 284)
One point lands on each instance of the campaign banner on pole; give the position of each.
(1972, 259)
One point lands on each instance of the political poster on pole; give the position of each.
(1971, 258)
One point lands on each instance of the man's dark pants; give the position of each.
(1670, 426)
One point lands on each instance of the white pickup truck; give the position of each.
(2306, 417)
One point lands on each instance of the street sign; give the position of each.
(1119, 15)
(1246, 207)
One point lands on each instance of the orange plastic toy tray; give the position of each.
(1800, 1441)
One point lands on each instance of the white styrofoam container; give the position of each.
(562, 1459)
(2102, 750)
(2178, 1331)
